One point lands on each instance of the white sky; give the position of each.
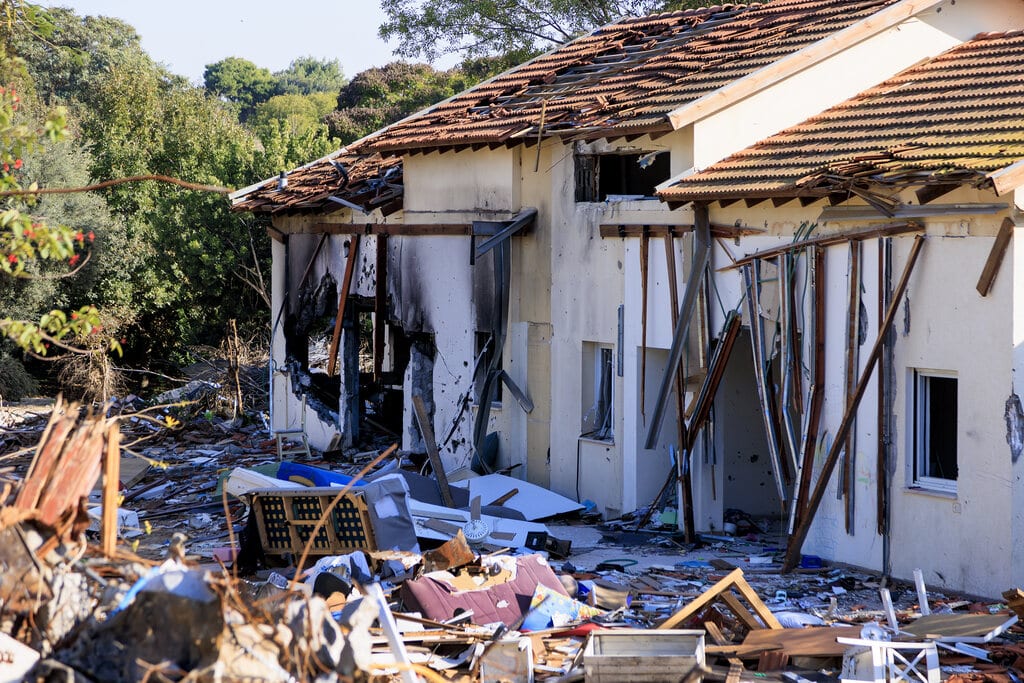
(186, 35)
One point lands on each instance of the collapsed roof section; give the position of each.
(952, 120)
(624, 78)
(363, 182)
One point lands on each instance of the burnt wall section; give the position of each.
(418, 381)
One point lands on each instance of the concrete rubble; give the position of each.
(198, 555)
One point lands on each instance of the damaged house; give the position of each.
(762, 254)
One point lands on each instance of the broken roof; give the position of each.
(956, 118)
(362, 181)
(624, 78)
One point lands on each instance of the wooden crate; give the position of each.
(286, 518)
(642, 656)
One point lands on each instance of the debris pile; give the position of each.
(130, 553)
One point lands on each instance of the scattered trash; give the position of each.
(222, 561)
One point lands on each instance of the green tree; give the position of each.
(30, 245)
(300, 113)
(240, 82)
(379, 96)
(74, 55)
(429, 28)
(308, 75)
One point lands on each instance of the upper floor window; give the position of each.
(620, 175)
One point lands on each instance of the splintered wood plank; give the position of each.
(702, 601)
(815, 641)
(756, 603)
(995, 257)
(740, 610)
(427, 430)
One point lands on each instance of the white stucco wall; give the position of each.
(847, 73)
(947, 325)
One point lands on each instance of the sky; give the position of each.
(186, 35)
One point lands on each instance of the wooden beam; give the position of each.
(995, 257)
(796, 540)
(380, 307)
(781, 69)
(645, 244)
(411, 229)
(889, 230)
(1008, 179)
(353, 253)
(689, 527)
(423, 418)
(612, 230)
(111, 477)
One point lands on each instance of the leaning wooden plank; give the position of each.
(796, 540)
(995, 257)
(703, 600)
(111, 477)
(435, 458)
(353, 254)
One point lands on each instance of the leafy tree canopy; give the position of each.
(239, 81)
(308, 75)
(379, 96)
(430, 28)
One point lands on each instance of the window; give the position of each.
(935, 429)
(598, 405)
(607, 177)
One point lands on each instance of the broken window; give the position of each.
(597, 392)
(935, 428)
(619, 176)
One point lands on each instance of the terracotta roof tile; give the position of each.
(368, 181)
(953, 118)
(626, 75)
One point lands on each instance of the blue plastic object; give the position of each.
(313, 476)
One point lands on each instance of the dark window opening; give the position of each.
(935, 433)
(601, 177)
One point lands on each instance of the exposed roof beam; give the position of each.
(839, 214)
(798, 61)
(1009, 178)
(831, 238)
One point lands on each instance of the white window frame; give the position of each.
(920, 434)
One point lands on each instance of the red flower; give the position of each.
(74, 259)
(12, 258)
(79, 236)
(7, 168)
(91, 236)
(17, 163)
(96, 329)
(74, 315)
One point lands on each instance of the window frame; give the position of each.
(588, 186)
(601, 358)
(920, 446)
